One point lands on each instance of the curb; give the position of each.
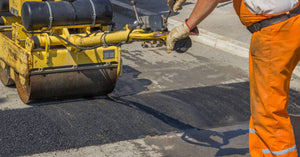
(214, 40)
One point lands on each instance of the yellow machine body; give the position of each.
(17, 52)
(57, 63)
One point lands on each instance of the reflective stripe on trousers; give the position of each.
(282, 152)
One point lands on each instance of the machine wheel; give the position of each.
(76, 84)
(23, 90)
(4, 77)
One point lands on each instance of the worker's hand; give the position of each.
(178, 33)
(175, 5)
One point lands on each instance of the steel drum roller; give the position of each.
(53, 86)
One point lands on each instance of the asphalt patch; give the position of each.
(75, 124)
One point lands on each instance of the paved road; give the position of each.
(164, 105)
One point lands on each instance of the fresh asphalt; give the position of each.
(80, 123)
(136, 109)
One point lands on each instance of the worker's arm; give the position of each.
(201, 10)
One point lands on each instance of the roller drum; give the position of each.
(73, 84)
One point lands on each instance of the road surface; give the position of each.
(179, 104)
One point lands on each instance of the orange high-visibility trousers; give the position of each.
(274, 53)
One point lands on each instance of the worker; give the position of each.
(274, 53)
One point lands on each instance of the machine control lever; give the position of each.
(169, 13)
(133, 4)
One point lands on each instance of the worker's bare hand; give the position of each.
(175, 5)
(179, 32)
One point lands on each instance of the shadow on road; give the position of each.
(128, 84)
(74, 124)
(208, 138)
(175, 123)
(193, 134)
(2, 100)
(85, 122)
(296, 124)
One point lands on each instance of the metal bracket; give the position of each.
(47, 49)
(50, 15)
(75, 67)
(94, 16)
(40, 69)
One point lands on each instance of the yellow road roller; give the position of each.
(66, 49)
